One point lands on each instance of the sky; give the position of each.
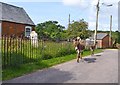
(59, 10)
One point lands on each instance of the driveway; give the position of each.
(100, 68)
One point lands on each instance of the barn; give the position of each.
(102, 40)
(14, 20)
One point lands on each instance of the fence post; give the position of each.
(42, 49)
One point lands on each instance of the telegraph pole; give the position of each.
(69, 21)
(110, 35)
(95, 36)
(69, 29)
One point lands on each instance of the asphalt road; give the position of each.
(101, 68)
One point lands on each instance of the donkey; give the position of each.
(80, 45)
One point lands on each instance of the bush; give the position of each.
(57, 50)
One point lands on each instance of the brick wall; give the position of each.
(105, 42)
(99, 43)
(9, 28)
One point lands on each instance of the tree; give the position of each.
(50, 30)
(116, 36)
(78, 28)
(64, 35)
(40, 30)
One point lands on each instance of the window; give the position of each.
(28, 30)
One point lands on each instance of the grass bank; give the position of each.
(118, 46)
(11, 72)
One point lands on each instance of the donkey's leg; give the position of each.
(78, 56)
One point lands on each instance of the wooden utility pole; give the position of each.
(69, 21)
(95, 36)
(110, 35)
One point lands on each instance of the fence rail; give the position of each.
(18, 50)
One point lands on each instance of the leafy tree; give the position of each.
(78, 28)
(64, 35)
(40, 30)
(50, 30)
(116, 36)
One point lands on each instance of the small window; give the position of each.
(28, 30)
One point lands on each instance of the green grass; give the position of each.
(11, 72)
(118, 46)
(16, 52)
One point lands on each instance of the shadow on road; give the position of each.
(98, 55)
(51, 75)
(90, 60)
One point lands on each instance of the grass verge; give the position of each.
(10, 73)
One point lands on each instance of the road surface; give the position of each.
(101, 68)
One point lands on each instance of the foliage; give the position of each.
(50, 30)
(53, 31)
(64, 35)
(118, 37)
(78, 28)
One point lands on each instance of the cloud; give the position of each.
(79, 3)
(71, 2)
(101, 26)
(94, 2)
(104, 14)
(30, 1)
(91, 25)
(110, 1)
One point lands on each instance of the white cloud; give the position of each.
(110, 1)
(71, 2)
(92, 25)
(104, 14)
(101, 26)
(94, 2)
(81, 3)
(30, 1)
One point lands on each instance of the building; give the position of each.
(102, 40)
(14, 20)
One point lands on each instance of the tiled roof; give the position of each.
(14, 14)
(100, 36)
